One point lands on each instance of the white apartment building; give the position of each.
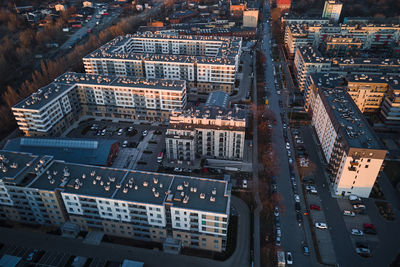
(207, 63)
(209, 132)
(332, 10)
(349, 145)
(54, 107)
(371, 36)
(194, 212)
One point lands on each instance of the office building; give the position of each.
(206, 132)
(53, 108)
(190, 212)
(207, 63)
(250, 18)
(349, 145)
(332, 10)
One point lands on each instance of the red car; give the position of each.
(368, 226)
(315, 207)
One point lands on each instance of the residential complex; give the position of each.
(192, 212)
(370, 93)
(212, 132)
(349, 145)
(368, 37)
(332, 10)
(309, 60)
(53, 108)
(207, 63)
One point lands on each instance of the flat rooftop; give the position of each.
(135, 186)
(12, 163)
(69, 80)
(74, 150)
(117, 49)
(341, 108)
(218, 99)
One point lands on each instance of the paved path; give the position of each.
(114, 252)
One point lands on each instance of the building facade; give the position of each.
(250, 18)
(206, 63)
(349, 145)
(371, 36)
(332, 10)
(206, 132)
(145, 206)
(53, 108)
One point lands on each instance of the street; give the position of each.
(293, 233)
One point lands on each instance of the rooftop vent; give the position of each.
(214, 191)
(212, 199)
(145, 183)
(186, 183)
(156, 194)
(186, 199)
(83, 176)
(155, 180)
(125, 190)
(179, 187)
(202, 196)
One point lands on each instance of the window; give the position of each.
(366, 166)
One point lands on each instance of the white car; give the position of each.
(297, 198)
(349, 213)
(178, 170)
(321, 225)
(145, 132)
(244, 185)
(289, 258)
(120, 131)
(125, 144)
(289, 153)
(278, 232)
(284, 126)
(287, 145)
(276, 211)
(357, 232)
(354, 197)
(290, 161)
(278, 92)
(299, 141)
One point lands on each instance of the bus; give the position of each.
(159, 157)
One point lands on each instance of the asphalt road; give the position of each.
(292, 233)
(246, 79)
(113, 252)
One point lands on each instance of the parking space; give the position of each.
(140, 144)
(357, 222)
(323, 236)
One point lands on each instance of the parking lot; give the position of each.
(137, 150)
(356, 222)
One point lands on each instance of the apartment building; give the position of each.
(250, 17)
(193, 212)
(349, 145)
(18, 201)
(206, 132)
(390, 108)
(207, 63)
(332, 10)
(372, 36)
(53, 108)
(309, 60)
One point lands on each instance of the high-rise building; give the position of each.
(332, 10)
(206, 63)
(192, 212)
(349, 145)
(53, 108)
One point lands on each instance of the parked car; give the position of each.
(276, 211)
(358, 206)
(370, 231)
(125, 144)
(306, 250)
(348, 213)
(299, 141)
(244, 185)
(296, 198)
(362, 245)
(278, 232)
(278, 241)
(178, 169)
(120, 131)
(356, 232)
(364, 252)
(315, 207)
(368, 226)
(287, 145)
(321, 225)
(145, 132)
(354, 197)
(289, 258)
(297, 206)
